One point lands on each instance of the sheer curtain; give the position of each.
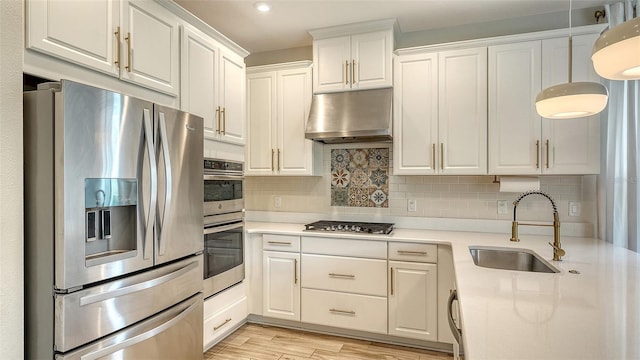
(618, 186)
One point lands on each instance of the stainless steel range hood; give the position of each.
(352, 116)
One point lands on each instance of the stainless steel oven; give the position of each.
(223, 225)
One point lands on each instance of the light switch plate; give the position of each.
(412, 204)
(574, 208)
(503, 207)
(277, 201)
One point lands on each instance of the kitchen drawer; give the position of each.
(416, 252)
(217, 326)
(277, 242)
(347, 311)
(223, 299)
(354, 275)
(344, 247)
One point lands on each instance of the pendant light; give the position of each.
(616, 53)
(573, 99)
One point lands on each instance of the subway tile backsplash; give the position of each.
(463, 197)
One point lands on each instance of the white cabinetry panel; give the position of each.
(281, 289)
(355, 275)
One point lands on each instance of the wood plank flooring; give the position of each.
(259, 342)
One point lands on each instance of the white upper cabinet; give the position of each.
(514, 124)
(213, 87)
(91, 39)
(140, 47)
(440, 112)
(353, 57)
(520, 141)
(571, 146)
(279, 97)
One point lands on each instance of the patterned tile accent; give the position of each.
(360, 177)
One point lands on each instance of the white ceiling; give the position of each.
(286, 25)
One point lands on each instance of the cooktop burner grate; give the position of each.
(350, 226)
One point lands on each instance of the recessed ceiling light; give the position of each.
(262, 7)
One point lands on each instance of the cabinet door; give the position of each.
(514, 125)
(295, 153)
(462, 111)
(570, 146)
(232, 98)
(371, 60)
(89, 39)
(261, 119)
(199, 93)
(150, 53)
(413, 300)
(333, 64)
(415, 124)
(281, 285)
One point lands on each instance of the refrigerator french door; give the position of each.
(113, 209)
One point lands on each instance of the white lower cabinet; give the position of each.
(345, 310)
(413, 300)
(281, 286)
(347, 274)
(223, 313)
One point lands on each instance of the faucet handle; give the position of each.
(558, 252)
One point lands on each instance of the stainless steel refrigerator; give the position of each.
(113, 226)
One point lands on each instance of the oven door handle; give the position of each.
(217, 229)
(223, 177)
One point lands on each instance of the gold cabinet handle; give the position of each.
(441, 156)
(272, 153)
(346, 72)
(353, 72)
(433, 156)
(409, 252)
(128, 40)
(278, 243)
(346, 312)
(547, 145)
(221, 325)
(391, 281)
(278, 158)
(218, 120)
(537, 154)
(347, 276)
(224, 121)
(295, 271)
(117, 34)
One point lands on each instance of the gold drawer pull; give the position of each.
(221, 325)
(278, 243)
(408, 252)
(342, 276)
(346, 312)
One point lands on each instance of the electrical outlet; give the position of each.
(574, 208)
(411, 205)
(277, 201)
(503, 207)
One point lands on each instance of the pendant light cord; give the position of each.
(570, 45)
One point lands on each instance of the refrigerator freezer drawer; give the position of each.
(175, 333)
(89, 314)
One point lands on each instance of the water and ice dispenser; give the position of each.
(110, 219)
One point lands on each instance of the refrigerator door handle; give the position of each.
(168, 179)
(139, 338)
(94, 298)
(151, 219)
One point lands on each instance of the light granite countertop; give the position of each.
(521, 315)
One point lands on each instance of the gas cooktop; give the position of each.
(350, 226)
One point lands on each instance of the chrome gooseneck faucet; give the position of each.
(558, 252)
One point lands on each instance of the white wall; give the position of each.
(11, 203)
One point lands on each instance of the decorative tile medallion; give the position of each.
(360, 177)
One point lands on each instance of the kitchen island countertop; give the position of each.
(522, 315)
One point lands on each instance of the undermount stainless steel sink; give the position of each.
(510, 259)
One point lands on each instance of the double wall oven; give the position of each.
(223, 225)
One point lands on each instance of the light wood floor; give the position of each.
(258, 342)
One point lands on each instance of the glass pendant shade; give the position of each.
(572, 100)
(616, 53)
